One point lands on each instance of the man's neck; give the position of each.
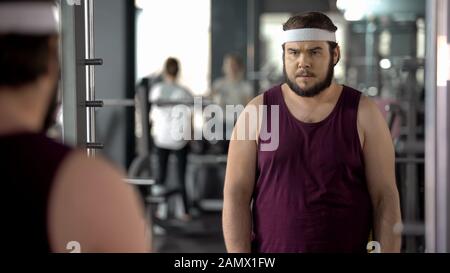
(170, 79)
(233, 78)
(329, 94)
(19, 114)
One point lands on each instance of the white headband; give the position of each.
(28, 18)
(308, 34)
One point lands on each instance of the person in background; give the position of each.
(164, 96)
(231, 89)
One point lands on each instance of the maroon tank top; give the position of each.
(28, 164)
(311, 193)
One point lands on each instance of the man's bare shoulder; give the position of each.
(257, 101)
(81, 167)
(368, 111)
(90, 180)
(249, 121)
(370, 119)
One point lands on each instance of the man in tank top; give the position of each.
(313, 170)
(55, 199)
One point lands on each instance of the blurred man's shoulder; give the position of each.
(80, 167)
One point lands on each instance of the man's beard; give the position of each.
(50, 116)
(314, 90)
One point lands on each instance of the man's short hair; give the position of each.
(25, 58)
(171, 67)
(311, 19)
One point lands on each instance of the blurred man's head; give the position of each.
(29, 52)
(308, 62)
(171, 68)
(233, 66)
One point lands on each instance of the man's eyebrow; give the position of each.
(311, 49)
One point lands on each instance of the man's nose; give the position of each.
(304, 61)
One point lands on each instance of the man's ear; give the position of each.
(336, 55)
(53, 63)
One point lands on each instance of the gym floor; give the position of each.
(203, 234)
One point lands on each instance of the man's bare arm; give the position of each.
(239, 182)
(379, 159)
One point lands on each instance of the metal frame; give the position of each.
(78, 83)
(253, 44)
(90, 61)
(73, 74)
(437, 171)
(442, 136)
(90, 72)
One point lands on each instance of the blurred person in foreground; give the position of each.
(57, 199)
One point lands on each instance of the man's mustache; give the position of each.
(304, 73)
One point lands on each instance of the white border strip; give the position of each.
(28, 18)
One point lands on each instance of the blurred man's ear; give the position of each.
(54, 47)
